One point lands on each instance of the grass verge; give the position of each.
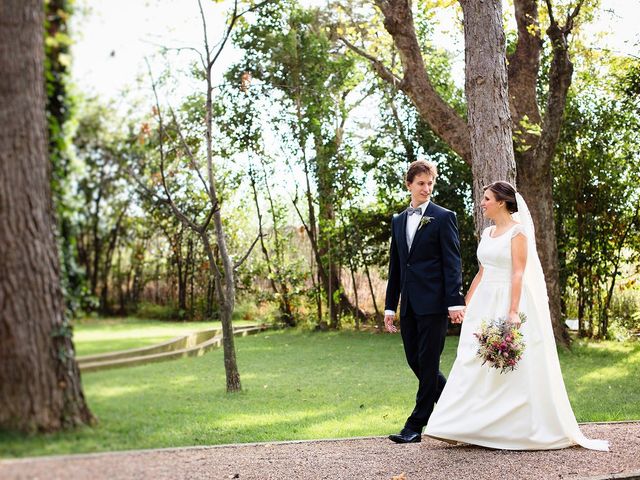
(299, 385)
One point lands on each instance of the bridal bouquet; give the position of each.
(500, 344)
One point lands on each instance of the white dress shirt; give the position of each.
(412, 223)
(412, 227)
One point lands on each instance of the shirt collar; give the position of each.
(423, 206)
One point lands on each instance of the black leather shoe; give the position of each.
(406, 436)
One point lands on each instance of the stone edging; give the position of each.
(613, 476)
(194, 344)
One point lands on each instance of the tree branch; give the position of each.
(572, 16)
(241, 261)
(255, 7)
(445, 122)
(207, 220)
(552, 20)
(386, 74)
(168, 200)
(227, 34)
(560, 77)
(523, 68)
(406, 142)
(190, 154)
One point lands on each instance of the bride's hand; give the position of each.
(514, 319)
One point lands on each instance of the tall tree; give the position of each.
(40, 387)
(535, 133)
(171, 131)
(290, 50)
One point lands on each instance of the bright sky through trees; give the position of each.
(112, 38)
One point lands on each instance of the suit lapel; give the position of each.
(427, 213)
(402, 234)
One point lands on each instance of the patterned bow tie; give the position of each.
(411, 210)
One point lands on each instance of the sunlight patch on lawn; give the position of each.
(113, 391)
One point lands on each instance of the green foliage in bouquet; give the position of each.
(500, 343)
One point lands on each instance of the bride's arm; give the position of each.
(518, 262)
(474, 285)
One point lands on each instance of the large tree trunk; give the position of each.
(40, 388)
(487, 99)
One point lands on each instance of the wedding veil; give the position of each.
(539, 314)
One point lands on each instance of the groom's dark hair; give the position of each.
(421, 166)
(504, 192)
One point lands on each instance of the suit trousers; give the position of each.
(423, 338)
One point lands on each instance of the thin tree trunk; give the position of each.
(40, 386)
(190, 272)
(263, 246)
(580, 273)
(379, 317)
(226, 298)
(106, 270)
(287, 307)
(94, 269)
(210, 297)
(352, 270)
(156, 284)
(355, 292)
(182, 270)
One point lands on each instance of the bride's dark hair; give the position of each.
(504, 192)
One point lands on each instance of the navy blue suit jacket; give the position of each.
(429, 275)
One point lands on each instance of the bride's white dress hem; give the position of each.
(525, 409)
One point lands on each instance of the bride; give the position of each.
(528, 408)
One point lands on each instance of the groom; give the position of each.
(425, 270)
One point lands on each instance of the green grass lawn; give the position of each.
(93, 336)
(298, 385)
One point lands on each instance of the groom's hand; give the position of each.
(388, 323)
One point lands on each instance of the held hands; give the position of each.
(388, 323)
(456, 316)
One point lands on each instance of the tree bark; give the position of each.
(40, 387)
(487, 99)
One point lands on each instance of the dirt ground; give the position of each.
(357, 458)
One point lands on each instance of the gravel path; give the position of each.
(358, 458)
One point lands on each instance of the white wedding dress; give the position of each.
(525, 409)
